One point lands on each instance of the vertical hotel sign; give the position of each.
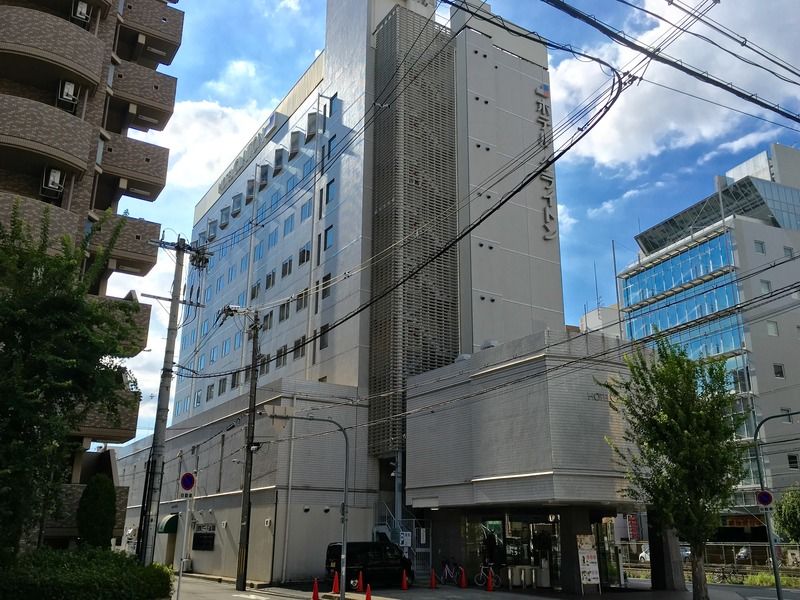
(544, 119)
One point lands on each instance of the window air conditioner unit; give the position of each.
(52, 183)
(81, 11)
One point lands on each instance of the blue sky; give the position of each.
(655, 154)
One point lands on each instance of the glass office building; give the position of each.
(716, 279)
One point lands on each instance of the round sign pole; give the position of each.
(187, 485)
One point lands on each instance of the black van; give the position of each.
(380, 563)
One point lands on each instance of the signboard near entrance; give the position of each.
(587, 560)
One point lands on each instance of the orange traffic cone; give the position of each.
(360, 584)
(315, 590)
(369, 593)
(490, 581)
(462, 582)
(433, 579)
(404, 581)
(335, 589)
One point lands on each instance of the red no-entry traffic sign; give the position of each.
(764, 497)
(187, 481)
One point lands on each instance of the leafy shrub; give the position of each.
(85, 574)
(768, 580)
(97, 511)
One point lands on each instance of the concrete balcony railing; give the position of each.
(73, 52)
(31, 210)
(28, 126)
(159, 26)
(116, 429)
(65, 524)
(152, 93)
(132, 253)
(140, 167)
(141, 319)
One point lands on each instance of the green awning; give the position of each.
(168, 524)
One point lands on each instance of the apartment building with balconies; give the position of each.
(75, 77)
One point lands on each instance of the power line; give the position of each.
(624, 40)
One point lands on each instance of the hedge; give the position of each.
(85, 574)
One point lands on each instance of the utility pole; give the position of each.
(152, 494)
(244, 532)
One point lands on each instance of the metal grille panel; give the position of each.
(414, 329)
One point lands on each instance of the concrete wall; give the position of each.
(515, 423)
(298, 467)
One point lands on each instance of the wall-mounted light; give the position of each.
(306, 509)
(326, 510)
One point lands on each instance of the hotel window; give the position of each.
(220, 283)
(237, 341)
(330, 195)
(326, 285)
(288, 225)
(212, 356)
(258, 251)
(772, 328)
(210, 392)
(255, 290)
(328, 237)
(302, 300)
(788, 251)
(234, 379)
(263, 367)
(204, 328)
(323, 336)
(279, 158)
(224, 217)
(793, 463)
(291, 183)
(760, 247)
(201, 364)
(766, 286)
(294, 144)
(241, 300)
(777, 369)
(286, 267)
(311, 126)
(280, 357)
(266, 324)
(212, 230)
(270, 280)
(226, 347)
(198, 397)
(284, 311)
(263, 176)
(787, 415)
(236, 204)
(305, 210)
(308, 168)
(272, 239)
(251, 191)
(274, 201)
(231, 274)
(304, 255)
(299, 348)
(243, 264)
(222, 386)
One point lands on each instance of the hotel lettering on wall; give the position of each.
(550, 223)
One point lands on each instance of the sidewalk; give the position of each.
(196, 588)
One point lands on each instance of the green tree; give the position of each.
(97, 512)
(60, 355)
(679, 452)
(787, 514)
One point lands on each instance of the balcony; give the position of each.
(35, 44)
(100, 427)
(28, 127)
(62, 222)
(147, 96)
(150, 32)
(141, 168)
(64, 524)
(141, 319)
(132, 253)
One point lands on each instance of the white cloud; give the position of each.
(293, 5)
(238, 74)
(203, 138)
(566, 222)
(745, 142)
(609, 207)
(648, 120)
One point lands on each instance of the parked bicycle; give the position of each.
(482, 577)
(451, 572)
(731, 575)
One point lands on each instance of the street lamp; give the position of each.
(343, 563)
(767, 511)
